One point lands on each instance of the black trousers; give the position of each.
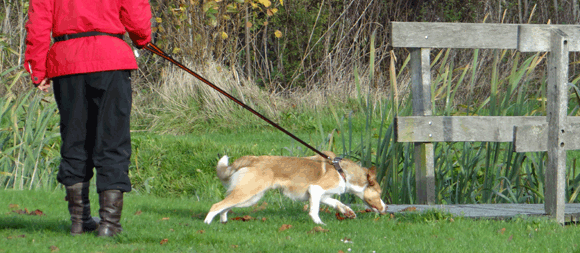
(95, 110)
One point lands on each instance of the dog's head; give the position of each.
(372, 192)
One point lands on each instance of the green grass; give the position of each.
(188, 162)
(148, 221)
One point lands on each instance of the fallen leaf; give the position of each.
(501, 231)
(409, 209)
(284, 227)
(234, 246)
(37, 213)
(325, 210)
(305, 208)
(20, 211)
(201, 231)
(451, 220)
(392, 216)
(318, 229)
(164, 241)
(138, 212)
(165, 218)
(346, 240)
(366, 211)
(264, 218)
(54, 248)
(339, 217)
(13, 206)
(245, 218)
(18, 236)
(510, 238)
(340, 251)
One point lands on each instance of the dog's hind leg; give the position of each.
(224, 216)
(342, 208)
(237, 198)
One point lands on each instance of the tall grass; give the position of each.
(28, 148)
(470, 172)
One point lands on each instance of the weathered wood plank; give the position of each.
(453, 35)
(536, 38)
(524, 37)
(534, 138)
(490, 211)
(555, 199)
(424, 153)
(463, 128)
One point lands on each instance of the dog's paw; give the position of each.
(350, 214)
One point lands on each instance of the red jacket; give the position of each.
(87, 54)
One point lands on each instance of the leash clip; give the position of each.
(336, 163)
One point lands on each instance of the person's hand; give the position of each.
(44, 85)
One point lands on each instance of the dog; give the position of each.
(300, 178)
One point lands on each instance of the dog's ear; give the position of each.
(371, 176)
(371, 179)
(373, 170)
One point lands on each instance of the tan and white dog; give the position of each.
(301, 178)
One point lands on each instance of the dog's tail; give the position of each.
(224, 171)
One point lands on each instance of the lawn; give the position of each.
(155, 224)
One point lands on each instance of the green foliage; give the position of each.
(28, 135)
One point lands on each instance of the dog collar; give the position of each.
(336, 163)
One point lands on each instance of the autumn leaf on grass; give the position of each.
(409, 209)
(339, 217)
(305, 208)
(366, 211)
(164, 241)
(54, 248)
(13, 206)
(138, 212)
(346, 240)
(318, 229)
(245, 218)
(36, 212)
(201, 231)
(20, 211)
(325, 210)
(18, 236)
(284, 227)
(501, 231)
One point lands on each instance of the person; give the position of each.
(89, 66)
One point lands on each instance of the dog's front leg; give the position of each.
(315, 196)
(342, 208)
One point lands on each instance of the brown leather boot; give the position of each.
(79, 208)
(111, 202)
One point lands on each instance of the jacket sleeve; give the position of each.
(38, 28)
(136, 17)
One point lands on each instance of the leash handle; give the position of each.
(156, 50)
